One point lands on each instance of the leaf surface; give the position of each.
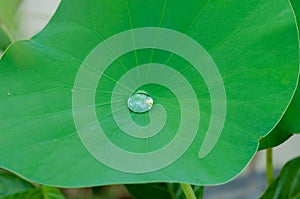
(42, 192)
(290, 123)
(287, 183)
(220, 75)
(11, 184)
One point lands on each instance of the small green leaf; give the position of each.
(11, 184)
(42, 192)
(14, 187)
(287, 184)
(290, 123)
(149, 191)
(274, 138)
(296, 6)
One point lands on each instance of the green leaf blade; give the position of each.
(287, 183)
(256, 54)
(11, 184)
(290, 122)
(38, 193)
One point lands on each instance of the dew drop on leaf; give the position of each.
(139, 103)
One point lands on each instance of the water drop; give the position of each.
(72, 90)
(139, 102)
(9, 93)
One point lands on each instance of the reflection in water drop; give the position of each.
(140, 103)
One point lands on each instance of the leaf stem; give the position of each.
(269, 165)
(200, 192)
(188, 191)
(173, 196)
(5, 40)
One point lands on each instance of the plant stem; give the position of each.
(188, 191)
(200, 192)
(269, 166)
(173, 196)
(4, 39)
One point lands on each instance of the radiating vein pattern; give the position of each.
(93, 135)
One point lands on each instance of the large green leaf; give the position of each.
(290, 122)
(64, 116)
(287, 183)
